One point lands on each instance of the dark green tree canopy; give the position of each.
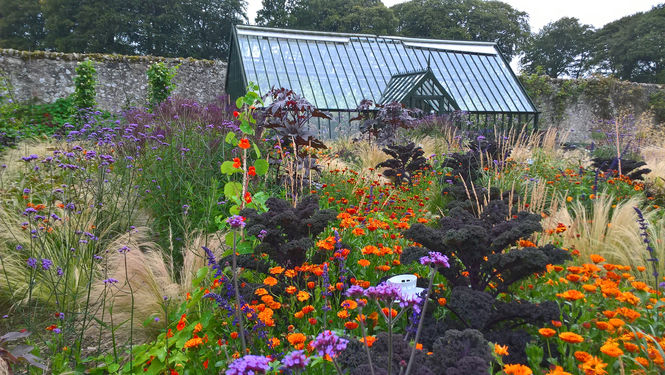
(561, 48)
(172, 28)
(350, 16)
(479, 20)
(633, 47)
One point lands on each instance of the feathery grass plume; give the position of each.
(145, 269)
(611, 232)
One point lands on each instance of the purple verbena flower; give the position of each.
(328, 343)
(236, 221)
(296, 360)
(385, 292)
(249, 365)
(32, 263)
(46, 264)
(435, 259)
(355, 291)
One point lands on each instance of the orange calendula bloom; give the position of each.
(594, 366)
(349, 304)
(358, 232)
(517, 369)
(270, 281)
(276, 270)
(571, 295)
(260, 292)
(558, 370)
(596, 258)
(302, 296)
(500, 349)
(197, 328)
(192, 343)
(297, 340)
(363, 262)
(547, 332)
(582, 356)
(244, 144)
(370, 340)
(442, 301)
(571, 337)
(351, 325)
(611, 349)
(291, 289)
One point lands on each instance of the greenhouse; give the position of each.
(336, 71)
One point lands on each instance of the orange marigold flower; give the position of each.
(629, 346)
(302, 296)
(192, 343)
(594, 366)
(442, 301)
(351, 325)
(363, 262)
(291, 289)
(297, 340)
(547, 332)
(311, 284)
(260, 292)
(596, 258)
(642, 361)
(641, 268)
(312, 321)
(589, 288)
(197, 328)
(370, 340)
(307, 309)
(299, 315)
(603, 326)
(558, 370)
(349, 304)
(582, 356)
(616, 322)
(358, 231)
(274, 342)
(270, 281)
(639, 285)
(343, 314)
(517, 369)
(611, 349)
(276, 270)
(500, 349)
(290, 274)
(571, 295)
(571, 337)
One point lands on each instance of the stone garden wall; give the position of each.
(122, 82)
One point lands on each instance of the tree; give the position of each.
(352, 16)
(561, 48)
(478, 20)
(21, 24)
(633, 47)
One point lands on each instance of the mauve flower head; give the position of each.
(249, 365)
(294, 361)
(435, 259)
(328, 343)
(355, 291)
(236, 221)
(385, 292)
(32, 262)
(46, 264)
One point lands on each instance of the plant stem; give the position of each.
(390, 338)
(241, 329)
(362, 329)
(432, 272)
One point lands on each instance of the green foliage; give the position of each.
(21, 24)
(351, 16)
(491, 21)
(193, 28)
(85, 82)
(561, 48)
(160, 82)
(657, 105)
(631, 47)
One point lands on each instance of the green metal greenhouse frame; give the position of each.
(336, 71)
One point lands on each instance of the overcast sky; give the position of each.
(542, 12)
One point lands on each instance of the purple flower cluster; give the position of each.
(328, 343)
(435, 259)
(249, 365)
(384, 292)
(236, 221)
(296, 360)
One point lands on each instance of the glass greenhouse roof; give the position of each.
(336, 71)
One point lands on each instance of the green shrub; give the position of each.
(160, 82)
(85, 82)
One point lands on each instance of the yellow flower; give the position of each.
(303, 296)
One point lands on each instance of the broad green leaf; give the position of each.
(235, 209)
(239, 102)
(257, 151)
(228, 168)
(261, 166)
(244, 247)
(245, 127)
(200, 275)
(231, 139)
(232, 189)
(228, 239)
